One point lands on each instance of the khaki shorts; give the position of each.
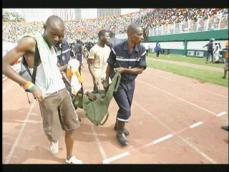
(58, 113)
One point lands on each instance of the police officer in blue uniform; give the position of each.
(129, 59)
(78, 49)
(63, 52)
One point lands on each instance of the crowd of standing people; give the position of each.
(87, 29)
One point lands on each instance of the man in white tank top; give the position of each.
(55, 103)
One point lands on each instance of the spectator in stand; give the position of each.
(87, 29)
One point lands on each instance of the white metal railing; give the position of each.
(215, 22)
(121, 36)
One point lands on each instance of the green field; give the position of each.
(200, 74)
(181, 58)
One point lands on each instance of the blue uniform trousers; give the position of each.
(124, 97)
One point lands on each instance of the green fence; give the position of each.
(196, 36)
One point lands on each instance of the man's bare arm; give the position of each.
(108, 73)
(134, 71)
(62, 68)
(25, 45)
(90, 66)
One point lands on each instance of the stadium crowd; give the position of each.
(87, 29)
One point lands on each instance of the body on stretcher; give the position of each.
(95, 104)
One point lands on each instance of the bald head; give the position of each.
(54, 21)
(133, 28)
(54, 30)
(135, 33)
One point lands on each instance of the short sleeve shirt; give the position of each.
(100, 56)
(120, 57)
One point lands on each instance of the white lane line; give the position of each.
(179, 98)
(101, 150)
(162, 139)
(30, 121)
(8, 158)
(159, 140)
(221, 114)
(150, 114)
(97, 134)
(198, 150)
(196, 124)
(226, 97)
(172, 80)
(166, 126)
(119, 156)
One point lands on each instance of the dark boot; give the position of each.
(121, 137)
(126, 132)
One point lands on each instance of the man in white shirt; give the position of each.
(97, 60)
(48, 88)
